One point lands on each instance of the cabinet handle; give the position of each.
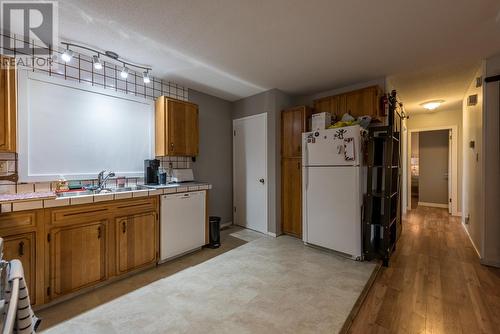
(298, 165)
(21, 248)
(172, 146)
(299, 148)
(99, 232)
(124, 227)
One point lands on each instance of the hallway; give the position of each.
(435, 283)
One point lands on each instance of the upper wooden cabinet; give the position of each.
(176, 128)
(360, 102)
(7, 106)
(293, 124)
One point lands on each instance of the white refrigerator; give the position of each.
(332, 183)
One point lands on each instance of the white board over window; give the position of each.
(76, 130)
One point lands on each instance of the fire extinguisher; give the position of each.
(384, 105)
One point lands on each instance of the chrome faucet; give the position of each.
(101, 180)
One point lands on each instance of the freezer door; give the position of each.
(332, 208)
(332, 147)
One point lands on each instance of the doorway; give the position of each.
(432, 168)
(250, 189)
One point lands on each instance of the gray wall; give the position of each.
(215, 161)
(433, 165)
(270, 102)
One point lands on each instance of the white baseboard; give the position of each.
(271, 234)
(433, 205)
(227, 224)
(490, 263)
(471, 241)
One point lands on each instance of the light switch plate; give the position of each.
(3, 167)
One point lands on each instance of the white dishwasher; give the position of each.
(182, 227)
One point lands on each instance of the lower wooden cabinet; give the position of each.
(22, 247)
(77, 257)
(291, 206)
(136, 239)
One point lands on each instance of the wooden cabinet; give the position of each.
(77, 256)
(23, 240)
(22, 247)
(293, 124)
(291, 190)
(7, 106)
(92, 243)
(360, 102)
(176, 125)
(135, 241)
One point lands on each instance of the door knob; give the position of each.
(261, 181)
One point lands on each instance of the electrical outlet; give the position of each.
(3, 167)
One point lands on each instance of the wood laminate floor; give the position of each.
(435, 283)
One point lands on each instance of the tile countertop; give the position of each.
(33, 201)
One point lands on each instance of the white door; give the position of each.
(332, 208)
(250, 172)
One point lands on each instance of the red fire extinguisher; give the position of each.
(384, 105)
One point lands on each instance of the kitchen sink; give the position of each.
(96, 192)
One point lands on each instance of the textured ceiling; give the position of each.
(237, 48)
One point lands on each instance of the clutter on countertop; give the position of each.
(6, 198)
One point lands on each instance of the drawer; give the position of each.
(135, 205)
(18, 220)
(81, 213)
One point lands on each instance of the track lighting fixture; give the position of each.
(145, 77)
(97, 62)
(67, 55)
(124, 72)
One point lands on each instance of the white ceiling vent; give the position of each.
(472, 100)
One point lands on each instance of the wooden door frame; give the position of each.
(452, 170)
(264, 115)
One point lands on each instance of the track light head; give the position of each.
(97, 62)
(124, 72)
(67, 55)
(145, 77)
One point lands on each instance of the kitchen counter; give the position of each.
(32, 201)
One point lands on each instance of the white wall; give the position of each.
(472, 198)
(491, 166)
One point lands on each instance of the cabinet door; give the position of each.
(355, 104)
(7, 106)
(136, 241)
(292, 126)
(22, 247)
(182, 128)
(363, 102)
(291, 184)
(78, 257)
(323, 105)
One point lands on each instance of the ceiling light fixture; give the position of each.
(97, 62)
(67, 55)
(124, 72)
(431, 105)
(145, 77)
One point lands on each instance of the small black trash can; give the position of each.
(214, 231)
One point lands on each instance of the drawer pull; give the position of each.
(21, 248)
(124, 227)
(99, 232)
(85, 212)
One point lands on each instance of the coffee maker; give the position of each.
(151, 171)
